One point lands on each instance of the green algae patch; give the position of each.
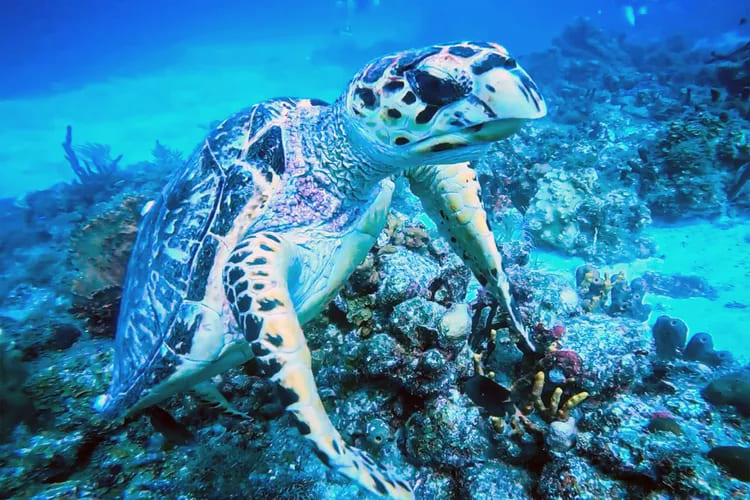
(665, 424)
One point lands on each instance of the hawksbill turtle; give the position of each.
(259, 229)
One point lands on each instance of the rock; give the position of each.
(574, 477)
(451, 286)
(611, 357)
(405, 274)
(63, 336)
(494, 479)
(415, 321)
(731, 389)
(660, 423)
(380, 355)
(561, 436)
(454, 327)
(734, 459)
(435, 486)
(446, 434)
(432, 376)
(16, 405)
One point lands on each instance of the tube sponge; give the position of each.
(701, 348)
(670, 335)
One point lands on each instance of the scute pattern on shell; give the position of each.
(179, 239)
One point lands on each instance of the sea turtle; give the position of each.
(254, 235)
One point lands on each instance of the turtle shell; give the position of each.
(180, 240)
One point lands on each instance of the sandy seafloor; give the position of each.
(176, 104)
(716, 252)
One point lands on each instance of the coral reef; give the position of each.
(100, 249)
(677, 286)
(624, 299)
(413, 360)
(687, 181)
(569, 212)
(99, 253)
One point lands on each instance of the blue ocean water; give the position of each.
(129, 74)
(155, 70)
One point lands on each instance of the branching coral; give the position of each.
(593, 288)
(98, 165)
(554, 411)
(522, 432)
(624, 299)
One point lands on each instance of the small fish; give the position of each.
(147, 207)
(740, 179)
(488, 394)
(629, 12)
(170, 428)
(739, 53)
(735, 305)
(743, 21)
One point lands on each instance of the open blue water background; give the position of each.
(127, 73)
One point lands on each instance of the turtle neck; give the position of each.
(346, 167)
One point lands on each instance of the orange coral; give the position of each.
(100, 252)
(101, 248)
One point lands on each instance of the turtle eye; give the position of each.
(434, 90)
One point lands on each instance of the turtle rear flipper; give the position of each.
(256, 285)
(208, 393)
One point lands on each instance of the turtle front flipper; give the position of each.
(256, 282)
(450, 196)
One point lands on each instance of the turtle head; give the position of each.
(439, 104)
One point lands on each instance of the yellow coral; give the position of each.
(554, 411)
(574, 401)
